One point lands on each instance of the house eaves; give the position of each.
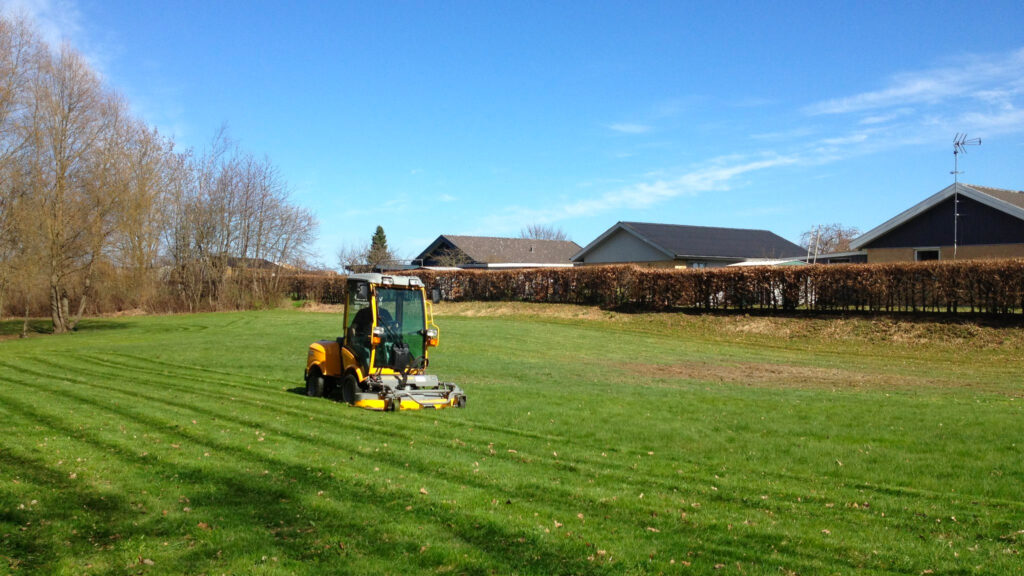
(916, 210)
(511, 265)
(706, 257)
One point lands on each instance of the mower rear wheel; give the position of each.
(349, 385)
(314, 383)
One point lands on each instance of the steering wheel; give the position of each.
(390, 325)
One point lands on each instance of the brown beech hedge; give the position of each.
(967, 286)
(988, 286)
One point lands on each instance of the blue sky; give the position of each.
(483, 117)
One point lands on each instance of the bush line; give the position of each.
(988, 286)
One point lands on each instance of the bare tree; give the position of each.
(136, 242)
(91, 198)
(543, 232)
(19, 56)
(829, 238)
(352, 257)
(234, 231)
(71, 116)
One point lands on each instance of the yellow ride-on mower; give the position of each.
(380, 363)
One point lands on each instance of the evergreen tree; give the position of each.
(379, 252)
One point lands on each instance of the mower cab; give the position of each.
(380, 362)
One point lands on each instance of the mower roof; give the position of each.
(385, 280)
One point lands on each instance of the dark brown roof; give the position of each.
(1015, 197)
(488, 250)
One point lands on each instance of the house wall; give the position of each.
(623, 247)
(978, 224)
(977, 252)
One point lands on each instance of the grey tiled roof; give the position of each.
(711, 241)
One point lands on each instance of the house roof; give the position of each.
(680, 241)
(1008, 201)
(489, 250)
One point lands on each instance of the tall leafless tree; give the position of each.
(543, 232)
(19, 56)
(72, 116)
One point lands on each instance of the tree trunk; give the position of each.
(58, 301)
(24, 324)
(85, 296)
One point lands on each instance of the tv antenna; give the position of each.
(960, 140)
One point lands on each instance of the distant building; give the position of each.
(673, 245)
(961, 221)
(848, 257)
(488, 252)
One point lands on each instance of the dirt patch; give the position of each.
(130, 313)
(765, 326)
(493, 309)
(317, 307)
(872, 330)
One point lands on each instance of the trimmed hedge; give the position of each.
(989, 286)
(986, 286)
(325, 289)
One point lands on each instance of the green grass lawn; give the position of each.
(593, 443)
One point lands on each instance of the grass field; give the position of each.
(593, 443)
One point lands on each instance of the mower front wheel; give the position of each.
(314, 383)
(349, 385)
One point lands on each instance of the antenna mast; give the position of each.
(959, 141)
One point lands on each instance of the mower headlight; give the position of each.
(377, 336)
(431, 337)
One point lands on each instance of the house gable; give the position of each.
(441, 251)
(1003, 208)
(978, 224)
(619, 246)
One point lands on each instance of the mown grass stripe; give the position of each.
(707, 473)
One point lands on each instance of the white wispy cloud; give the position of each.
(980, 94)
(886, 117)
(843, 140)
(970, 77)
(55, 20)
(717, 175)
(791, 134)
(628, 128)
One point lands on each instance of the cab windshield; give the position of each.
(400, 313)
